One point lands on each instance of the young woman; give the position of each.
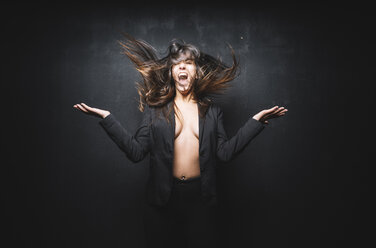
(182, 130)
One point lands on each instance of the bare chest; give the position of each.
(186, 122)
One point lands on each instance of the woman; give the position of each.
(182, 130)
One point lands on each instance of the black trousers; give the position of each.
(186, 221)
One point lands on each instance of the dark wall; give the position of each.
(301, 183)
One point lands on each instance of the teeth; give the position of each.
(183, 75)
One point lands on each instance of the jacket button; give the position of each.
(202, 169)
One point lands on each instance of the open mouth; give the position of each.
(183, 76)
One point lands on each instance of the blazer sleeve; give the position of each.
(136, 146)
(227, 149)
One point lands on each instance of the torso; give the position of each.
(186, 146)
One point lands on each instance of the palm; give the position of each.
(91, 111)
(264, 115)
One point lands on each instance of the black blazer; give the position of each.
(156, 136)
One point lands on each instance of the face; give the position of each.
(184, 74)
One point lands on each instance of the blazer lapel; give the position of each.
(201, 122)
(172, 129)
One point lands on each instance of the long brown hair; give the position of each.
(158, 87)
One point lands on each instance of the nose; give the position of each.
(182, 65)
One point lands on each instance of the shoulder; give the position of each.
(148, 108)
(213, 111)
(215, 108)
(147, 111)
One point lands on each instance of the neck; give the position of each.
(186, 98)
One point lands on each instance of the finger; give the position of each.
(277, 112)
(272, 115)
(85, 106)
(82, 108)
(93, 110)
(267, 111)
(266, 115)
(279, 109)
(282, 112)
(273, 112)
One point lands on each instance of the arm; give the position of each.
(227, 149)
(136, 146)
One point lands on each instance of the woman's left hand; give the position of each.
(266, 114)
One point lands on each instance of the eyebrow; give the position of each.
(175, 61)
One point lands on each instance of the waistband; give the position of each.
(186, 181)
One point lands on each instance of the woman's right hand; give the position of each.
(91, 111)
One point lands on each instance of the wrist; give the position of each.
(106, 114)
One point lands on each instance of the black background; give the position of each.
(303, 182)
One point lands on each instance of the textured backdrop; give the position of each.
(301, 183)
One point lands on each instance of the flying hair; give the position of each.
(157, 88)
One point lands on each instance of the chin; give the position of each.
(181, 89)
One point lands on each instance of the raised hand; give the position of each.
(91, 111)
(266, 114)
